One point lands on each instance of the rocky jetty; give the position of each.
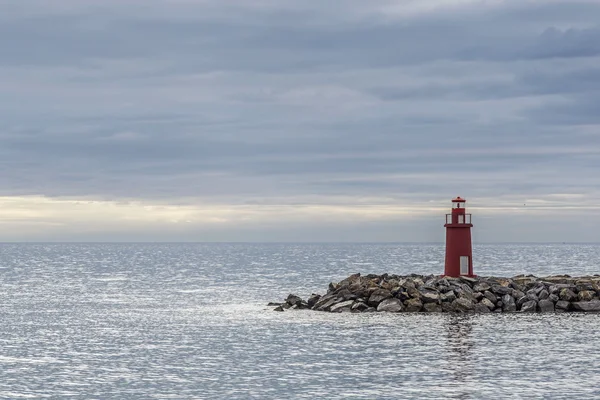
(418, 293)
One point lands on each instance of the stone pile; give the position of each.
(417, 293)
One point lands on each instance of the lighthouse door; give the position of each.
(464, 265)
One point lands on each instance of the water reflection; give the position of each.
(460, 344)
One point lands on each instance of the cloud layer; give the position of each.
(204, 106)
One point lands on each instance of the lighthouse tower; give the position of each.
(459, 253)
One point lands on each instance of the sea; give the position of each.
(190, 321)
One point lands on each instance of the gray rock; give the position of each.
(532, 294)
(486, 302)
(343, 306)
(414, 293)
(562, 305)
(326, 306)
(546, 305)
(463, 304)
(378, 296)
(522, 300)
(508, 303)
(553, 298)
(567, 295)
(272, 304)
(501, 290)
(448, 297)
(303, 305)
(313, 299)
(323, 300)
(481, 308)
(529, 306)
(517, 294)
(292, 299)
(469, 281)
(543, 294)
(477, 296)
(345, 294)
(390, 305)
(359, 306)
(586, 295)
(432, 307)
(447, 307)
(490, 296)
(413, 305)
(430, 297)
(587, 306)
(481, 287)
(278, 308)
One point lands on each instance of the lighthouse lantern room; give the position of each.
(459, 253)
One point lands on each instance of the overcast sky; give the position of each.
(296, 120)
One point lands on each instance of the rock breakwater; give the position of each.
(418, 293)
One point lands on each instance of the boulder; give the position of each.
(345, 294)
(481, 287)
(522, 300)
(313, 299)
(429, 296)
(508, 303)
(481, 308)
(553, 298)
(501, 290)
(587, 306)
(546, 305)
(378, 296)
(532, 294)
(292, 299)
(390, 305)
(490, 296)
(324, 300)
(448, 297)
(543, 294)
(273, 304)
(278, 308)
(463, 305)
(517, 294)
(413, 293)
(529, 306)
(326, 306)
(413, 305)
(359, 306)
(567, 295)
(343, 306)
(586, 295)
(486, 302)
(469, 281)
(432, 307)
(562, 305)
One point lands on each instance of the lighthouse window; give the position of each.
(461, 219)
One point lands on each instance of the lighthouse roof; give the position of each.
(458, 200)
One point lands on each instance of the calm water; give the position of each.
(188, 321)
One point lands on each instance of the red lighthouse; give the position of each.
(459, 253)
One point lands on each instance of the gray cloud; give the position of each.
(264, 102)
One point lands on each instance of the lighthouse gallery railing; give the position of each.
(462, 219)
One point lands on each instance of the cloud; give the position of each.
(235, 103)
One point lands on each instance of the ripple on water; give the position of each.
(115, 321)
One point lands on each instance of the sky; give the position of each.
(296, 120)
